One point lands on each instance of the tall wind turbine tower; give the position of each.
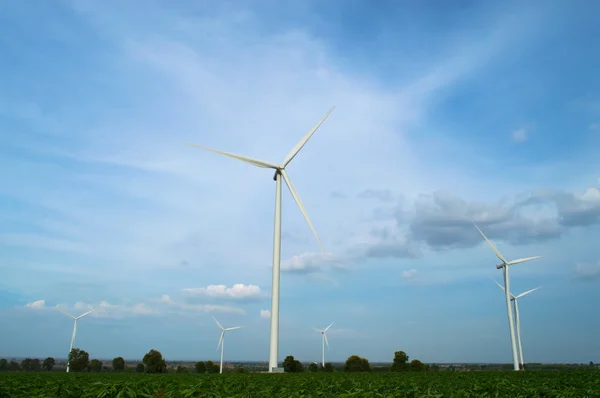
(504, 267)
(515, 301)
(75, 319)
(222, 340)
(280, 174)
(323, 341)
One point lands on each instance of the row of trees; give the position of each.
(355, 363)
(153, 362)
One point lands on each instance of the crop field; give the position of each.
(431, 384)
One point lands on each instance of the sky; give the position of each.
(445, 114)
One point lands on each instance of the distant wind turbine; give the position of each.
(324, 340)
(75, 319)
(222, 340)
(504, 267)
(515, 300)
(279, 174)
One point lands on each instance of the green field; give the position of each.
(579, 383)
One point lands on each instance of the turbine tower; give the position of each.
(515, 300)
(504, 267)
(222, 340)
(324, 340)
(280, 174)
(75, 319)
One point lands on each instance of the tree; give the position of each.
(313, 367)
(181, 369)
(3, 365)
(211, 367)
(417, 366)
(328, 367)
(292, 365)
(399, 363)
(48, 364)
(355, 363)
(118, 364)
(95, 366)
(31, 365)
(200, 367)
(78, 360)
(14, 366)
(140, 368)
(155, 362)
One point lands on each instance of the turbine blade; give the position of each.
(254, 162)
(81, 316)
(67, 314)
(289, 184)
(327, 342)
(527, 292)
(222, 328)
(233, 328)
(320, 331)
(491, 245)
(522, 260)
(303, 141)
(502, 287)
(327, 328)
(220, 339)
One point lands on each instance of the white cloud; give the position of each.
(588, 271)
(39, 304)
(307, 263)
(409, 274)
(520, 135)
(157, 307)
(238, 291)
(265, 314)
(594, 127)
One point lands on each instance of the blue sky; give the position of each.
(445, 114)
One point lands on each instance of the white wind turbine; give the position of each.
(515, 300)
(279, 174)
(504, 267)
(75, 319)
(324, 340)
(222, 340)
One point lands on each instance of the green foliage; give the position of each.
(31, 365)
(140, 368)
(313, 367)
(48, 364)
(355, 363)
(118, 364)
(328, 367)
(200, 367)
(95, 366)
(530, 384)
(78, 360)
(292, 365)
(211, 367)
(181, 369)
(154, 362)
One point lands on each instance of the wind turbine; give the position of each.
(515, 300)
(504, 267)
(279, 174)
(324, 340)
(75, 319)
(222, 340)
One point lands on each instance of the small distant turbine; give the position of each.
(504, 267)
(515, 300)
(222, 340)
(74, 330)
(323, 341)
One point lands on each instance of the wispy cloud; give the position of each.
(520, 135)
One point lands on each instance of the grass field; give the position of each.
(579, 383)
